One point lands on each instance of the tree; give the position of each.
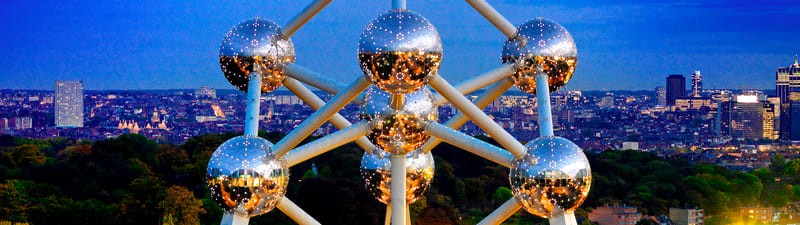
(13, 202)
(28, 155)
(180, 207)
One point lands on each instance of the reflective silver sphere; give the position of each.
(255, 42)
(399, 51)
(398, 131)
(244, 177)
(376, 172)
(554, 176)
(541, 46)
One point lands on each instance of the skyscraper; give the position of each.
(69, 104)
(676, 88)
(787, 86)
(743, 118)
(697, 84)
(787, 79)
(661, 95)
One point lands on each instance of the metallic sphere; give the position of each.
(541, 46)
(399, 51)
(554, 176)
(376, 172)
(244, 177)
(256, 42)
(398, 131)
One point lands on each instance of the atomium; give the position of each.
(541, 46)
(398, 131)
(256, 42)
(554, 176)
(376, 172)
(245, 178)
(399, 51)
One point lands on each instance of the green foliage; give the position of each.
(132, 180)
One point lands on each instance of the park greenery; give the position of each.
(132, 180)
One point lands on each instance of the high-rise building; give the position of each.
(697, 84)
(21, 123)
(661, 95)
(787, 86)
(676, 88)
(743, 118)
(790, 118)
(69, 104)
(787, 79)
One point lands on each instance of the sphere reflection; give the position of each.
(541, 46)
(376, 172)
(399, 50)
(245, 178)
(554, 176)
(398, 131)
(255, 42)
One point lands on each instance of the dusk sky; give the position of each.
(622, 44)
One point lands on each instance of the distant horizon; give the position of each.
(622, 45)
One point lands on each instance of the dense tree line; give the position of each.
(132, 180)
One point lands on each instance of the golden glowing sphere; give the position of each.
(554, 176)
(399, 51)
(401, 130)
(376, 172)
(245, 178)
(541, 46)
(255, 42)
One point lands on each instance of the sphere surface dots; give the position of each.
(398, 131)
(541, 46)
(399, 51)
(244, 177)
(376, 172)
(256, 42)
(554, 176)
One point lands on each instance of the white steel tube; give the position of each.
(566, 218)
(304, 16)
(316, 103)
(479, 81)
(494, 17)
(543, 100)
(253, 104)
(320, 116)
(398, 189)
(460, 119)
(312, 78)
(234, 219)
(295, 212)
(503, 212)
(325, 144)
(478, 117)
(470, 144)
(398, 4)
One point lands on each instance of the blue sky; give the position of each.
(623, 44)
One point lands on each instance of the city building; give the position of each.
(695, 104)
(615, 215)
(787, 79)
(661, 95)
(69, 104)
(697, 84)
(205, 92)
(790, 118)
(743, 118)
(759, 214)
(676, 88)
(686, 216)
(21, 123)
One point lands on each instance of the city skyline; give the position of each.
(628, 45)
